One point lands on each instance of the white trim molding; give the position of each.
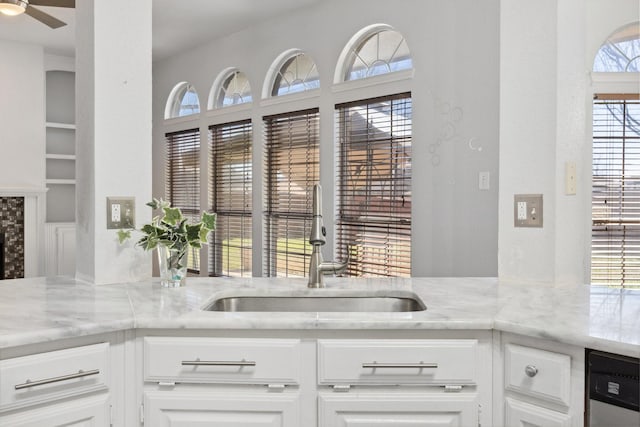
(34, 215)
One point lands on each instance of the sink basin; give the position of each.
(318, 303)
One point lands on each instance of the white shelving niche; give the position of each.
(60, 180)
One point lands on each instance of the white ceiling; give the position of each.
(176, 24)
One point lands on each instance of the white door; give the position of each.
(190, 409)
(83, 412)
(522, 414)
(397, 409)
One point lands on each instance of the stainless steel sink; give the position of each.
(318, 303)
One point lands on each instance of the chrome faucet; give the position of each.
(318, 268)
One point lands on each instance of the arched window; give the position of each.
(183, 101)
(375, 50)
(620, 53)
(230, 88)
(296, 72)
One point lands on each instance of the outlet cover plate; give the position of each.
(532, 210)
(127, 213)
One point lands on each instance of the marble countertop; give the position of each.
(45, 309)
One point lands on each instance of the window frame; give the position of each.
(397, 261)
(225, 213)
(296, 248)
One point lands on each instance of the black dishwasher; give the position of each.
(613, 390)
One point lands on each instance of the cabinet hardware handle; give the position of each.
(531, 371)
(217, 363)
(79, 374)
(400, 365)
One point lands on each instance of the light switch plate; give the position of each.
(121, 212)
(527, 210)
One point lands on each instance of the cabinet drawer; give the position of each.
(57, 374)
(538, 373)
(436, 362)
(222, 360)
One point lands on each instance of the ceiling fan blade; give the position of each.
(53, 3)
(45, 18)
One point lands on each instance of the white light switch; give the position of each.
(570, 178)
(483, 180)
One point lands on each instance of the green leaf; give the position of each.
(209, 220)
(154, 204)
(204, 233)
(123, 235)
(193, 233)
(172, 216)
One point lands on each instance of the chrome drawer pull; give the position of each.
(400, 365)
(79, 374)
(217, 363)
(531, 371)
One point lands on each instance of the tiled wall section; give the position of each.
(12, 223)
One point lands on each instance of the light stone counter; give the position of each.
(39, 310)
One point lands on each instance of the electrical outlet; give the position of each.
(527, 210)
(121, 212)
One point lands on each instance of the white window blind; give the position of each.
(182, 176)
(231, 196)
(615, 242)
(374, 185)
(291, 169)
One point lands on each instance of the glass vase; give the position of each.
(173, 266)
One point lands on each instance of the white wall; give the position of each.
(455, 97)
(22, 115)
(547, 52)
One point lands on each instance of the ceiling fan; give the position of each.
(16, 7)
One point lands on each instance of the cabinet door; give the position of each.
(189, 409)
(521, 414)
(392, 409)
(84, 412)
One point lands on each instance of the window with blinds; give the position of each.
(183, 179)
(615, 241)
(230, 165)
(374, 186)
(291, 169)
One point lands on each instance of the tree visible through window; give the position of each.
(615, 244)
(374, 185)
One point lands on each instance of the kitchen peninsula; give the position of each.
(135, 331)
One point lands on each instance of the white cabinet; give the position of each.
(521, 414)
(390, 409)
(56, 388)
(210, 408)
(221, 381)
(83, 412)
(314, 381)
(374, 382)
(543, 383)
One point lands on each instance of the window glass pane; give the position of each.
(235, 90)
(374, 190)
(231, 191)
(185, 102)
(615, 244)
(298, 74)
(383, 52)
(183, 179)
(291, 169)
(621, 51)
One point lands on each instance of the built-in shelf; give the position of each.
(60, 125)
(61, 156)
(61, 181)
